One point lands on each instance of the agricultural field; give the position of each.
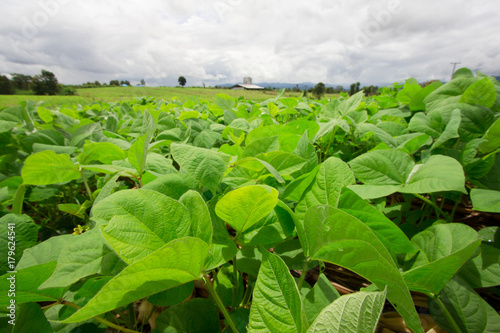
(275, 214)
(86, 96)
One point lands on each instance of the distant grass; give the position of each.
(117, 94)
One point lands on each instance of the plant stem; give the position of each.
(436, 207)
(220, 305)
(89, 192)
(455, 206)
(302, 275)
(446, 313)
(248, 293)
(100, 319)
(235, 287)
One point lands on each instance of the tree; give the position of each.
(21, 81)
(352, 89)
(6, 86)
(45, 83)
(319, 90)
(182, 81)
(114, 83)
(143, 83)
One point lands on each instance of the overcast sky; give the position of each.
(216, 42)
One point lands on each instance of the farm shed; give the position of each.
(247, 85)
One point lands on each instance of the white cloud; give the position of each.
(337, 42)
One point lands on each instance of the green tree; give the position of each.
(6, 86)
(114, 83)
(143, 83)
(45, 83)
(352, 89)
(319, 90)
(357, 86)
(182, 81)
(21, 81)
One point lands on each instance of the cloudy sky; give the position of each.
(221, 41)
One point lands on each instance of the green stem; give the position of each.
(436, 207)
(248, 293)
(302, 275)
(446, 313)
(101, 320)
(235, 287)
(89, 192)
(220, 305)
(455, 206)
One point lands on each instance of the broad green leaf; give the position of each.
(177, 262)
(481, 92)
(38, 147)
(201, 223)
(141, 221)
(45, 136)
(44, 252)
(173, 185)
(384, 228)
(284, 162)
(276, 304)
(451, 130)
(483, 270)
(339, 238)
(333, 175)
(382, 167)
(485, 200)
(421, 123)
(470, 312)
(245, 206)
(350, 104)
(173, 295)
(30, 318)
(417, 102)
(357, 312)
(87, 255)
(462, 72)
(379, 133)
(27, 281)
(47, 167)
(6, 126)
(319, 297)
(105, 152)
(138, 152)
(262, 145)
(17, 233)
(449, 92)
(297, 187)
(198, 315)
(206, 166)
(439, 173)
(258, 165)
(492, 138)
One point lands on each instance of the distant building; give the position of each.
(247, 85)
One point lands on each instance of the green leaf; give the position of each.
(447, 248)
(492, 137)
(17, 233)
(262, 145)
(350, 104)
(451, 130)
(206, 166)
(481, 92)
(177, 262)
(339, 238)
(181, 317)
(30, 318)
(319, 297)
(417, 102)
(469, 311)
(141, 221)
(388, 232)
(406, 94)
(6, 126)
(138, 152)
(483, 270)
(87, 255)
(485, 200)
(382, 167)
(173, 185)
(276, 305)
(45, 252)
(358, 312)
(439, 173)
(27, 281)
(47, 167)
(173, 295)
(333, 175)
(105, 152)
(201, 223)
(245, 206)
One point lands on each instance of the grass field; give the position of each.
(116, 94)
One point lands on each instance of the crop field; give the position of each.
(116, 94)
(262, 213)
